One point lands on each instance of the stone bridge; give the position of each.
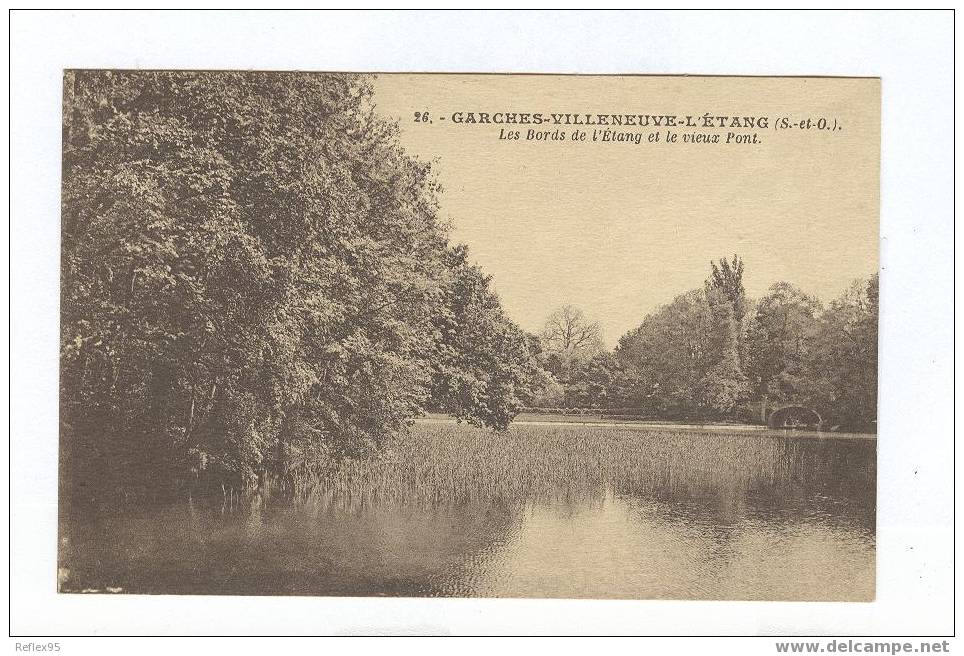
(794, 416)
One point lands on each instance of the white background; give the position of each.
(912, 52)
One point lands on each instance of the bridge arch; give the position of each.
(794, 416)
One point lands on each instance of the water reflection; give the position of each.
(633, 548)
(805, 530)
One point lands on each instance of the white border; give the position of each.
(910, 51)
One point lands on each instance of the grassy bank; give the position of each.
(455, 463)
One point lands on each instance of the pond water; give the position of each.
(808, 535)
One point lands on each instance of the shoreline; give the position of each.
(642, 425)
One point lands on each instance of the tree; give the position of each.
(727, 278)
(253, 276)
(594, 386)
(842, 367)
(485, 367)
(544, 389)
(670, 352)
(569, 341)
(685, 358)
(724, 384)
(779, 341)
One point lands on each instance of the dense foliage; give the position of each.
(712, 353)
(255, 279)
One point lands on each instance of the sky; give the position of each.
(618, 228)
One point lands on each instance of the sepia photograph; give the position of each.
(468, 335)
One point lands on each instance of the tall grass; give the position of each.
(448, 463)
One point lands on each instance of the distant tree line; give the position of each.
(712, 353)
(255, 280)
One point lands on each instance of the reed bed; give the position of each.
(450, 463)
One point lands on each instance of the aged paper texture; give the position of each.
(469, 335)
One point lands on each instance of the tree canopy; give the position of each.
(569, 340)
(711, 352)
(255, 276)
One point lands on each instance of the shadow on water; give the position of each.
(283, 549)
(745, 517)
